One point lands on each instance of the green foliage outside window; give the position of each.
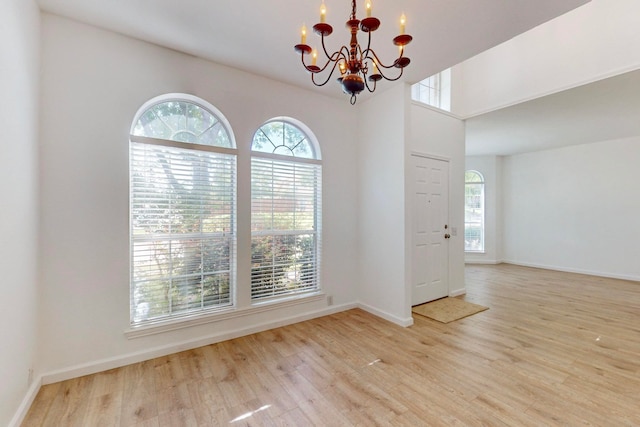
(182, 213)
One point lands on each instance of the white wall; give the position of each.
(388, 137)
(491, 169)
(94, 81)
(19, 59)
(442, 135)
(574, 209)
(597, 40)
(381, 216)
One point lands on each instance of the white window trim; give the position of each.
(223, 314)
(187, 320)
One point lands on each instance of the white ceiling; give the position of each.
(601, 111)
(259, 36)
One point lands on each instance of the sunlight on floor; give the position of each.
(249, 414)
(374, 362)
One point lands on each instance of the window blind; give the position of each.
(285, 221)
(182, 229)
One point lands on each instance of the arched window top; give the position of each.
(286, 137)
(473, 177)
(183, 118)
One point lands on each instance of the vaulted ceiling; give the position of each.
(258, 36)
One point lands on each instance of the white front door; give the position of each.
(430, 258)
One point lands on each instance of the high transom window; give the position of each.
(182, 210)
(434, 90)
(286, 188)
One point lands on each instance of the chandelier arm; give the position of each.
(325, 48)
(313, 75)
(368, 45)
(371, 54)
(389, 78)
(302, 60)
(366, 83)
(334, 58)
(340, 54)
(386, 76)
(397, 78)
(382, 66)
(344, 53)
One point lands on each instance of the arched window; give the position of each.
(286, 188)
(473, 211)
(182, 209)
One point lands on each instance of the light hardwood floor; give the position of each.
(553, 349)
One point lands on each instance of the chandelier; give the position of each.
(359, 68)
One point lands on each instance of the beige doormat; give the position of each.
(447, 310)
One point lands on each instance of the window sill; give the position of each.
(219, 316)
(436, 109)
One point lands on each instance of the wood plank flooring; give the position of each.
(553, 349)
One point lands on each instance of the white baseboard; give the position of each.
(482, 261)
(458, 292)
(127, 359)
(575, 270)
(386, 316)
(21, 413)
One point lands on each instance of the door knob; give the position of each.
(446, 236)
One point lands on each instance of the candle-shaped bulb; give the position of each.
(314, 57)
(403, 23)
(343, 67)
(375, 68)
(323, 13)
(303, 34)
(368, 8)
